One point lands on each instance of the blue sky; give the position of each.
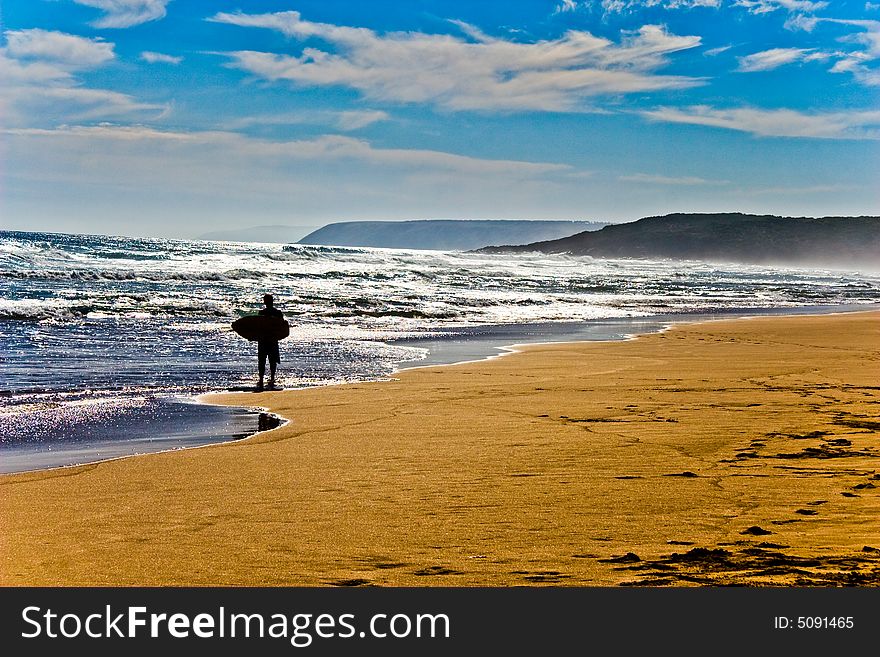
(177, 117)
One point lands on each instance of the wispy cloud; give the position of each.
(767, 60)
(357, 119)
(803, 22)
(566, 6)
(860, 63)
(38, 76)
(865, 75)
(654, 179)
(869, 35)
(776, 123)
(343, 120)
(326, 147)
(159, 58)
(857, 62)
(767, 6)
(67, 51)
(126, 13)
(801, 7)
(712, 52)
(619, 6)
(477, 72)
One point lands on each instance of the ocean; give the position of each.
(105, 341)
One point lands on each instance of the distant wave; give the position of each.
(123, 275)
(312, 250)
(37, 310)
(408, 314)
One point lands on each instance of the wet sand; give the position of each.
(730, 452)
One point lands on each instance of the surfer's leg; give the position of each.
(261, 364)
(274, 359)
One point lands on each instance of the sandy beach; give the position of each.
(741, 451)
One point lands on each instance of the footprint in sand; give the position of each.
(548, 576)
(435, 570)
(629, 557)
(350, 582)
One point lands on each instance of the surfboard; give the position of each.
(260, 327)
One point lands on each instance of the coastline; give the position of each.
(450, 475)
(134, 432)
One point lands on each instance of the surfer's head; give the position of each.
(268, 299)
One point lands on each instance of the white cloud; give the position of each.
(479, 72)
(565, 6)
(675, 4)
(767, 6)
(37, 77)
(67, 51)
(159, 58)
(800, 22)
(778, 122)
(126, 13)
(357, 119)
(863, 74)
(624, 6)
(858, 62)
(855, 62)
(619, 6)
(767, 60)
(343, 120)
(869, 37)
(82, 103)
(712, 52)
(654, 179)
(326, 147)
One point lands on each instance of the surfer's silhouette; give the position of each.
(268, 349)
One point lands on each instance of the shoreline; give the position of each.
(169, 425)
(256, 410)
(664, 320)
(490, 342)
(519, 347)
(364, 479)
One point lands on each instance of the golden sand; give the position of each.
(547, 465)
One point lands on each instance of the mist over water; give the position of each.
(89, 317)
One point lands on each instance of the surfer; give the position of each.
(268, 348)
